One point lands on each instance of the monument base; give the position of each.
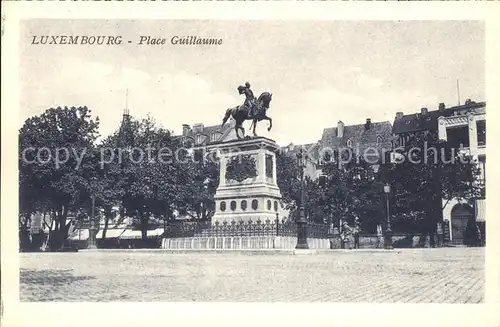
(254, 198)
(240, 243)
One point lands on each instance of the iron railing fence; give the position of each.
(178, 229)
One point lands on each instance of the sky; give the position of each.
(319, 72)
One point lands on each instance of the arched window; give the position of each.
(269, 204)
(275, 205)
(223, 206)
(233, 205)
(255, 204)
(349, 143)
(379, 139)
(243, 205)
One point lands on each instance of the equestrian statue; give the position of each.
(252, 109)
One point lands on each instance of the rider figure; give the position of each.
(250, 101)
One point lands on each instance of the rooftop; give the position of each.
(378, 135)
(428, 119)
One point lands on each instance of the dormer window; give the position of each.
(213, 137)
(199, 138)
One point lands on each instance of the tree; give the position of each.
(110, 187)
(428, 172)
(288, 176)
(53, 164)
(199, 184)
(350, 188)
(150, 172)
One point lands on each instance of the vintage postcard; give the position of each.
(254, 163)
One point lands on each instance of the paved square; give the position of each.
(451, 275)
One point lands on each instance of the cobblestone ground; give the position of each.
(450, 275)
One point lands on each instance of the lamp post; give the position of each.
(301, 220)
(476, 239)
(92, 230)
(277, 224)
(388, 231)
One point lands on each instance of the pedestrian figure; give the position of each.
(356, 231)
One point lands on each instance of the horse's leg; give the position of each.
(270, 122)
(254, 123)
(239, 126)
(236, 130)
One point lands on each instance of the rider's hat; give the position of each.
(241, 89)
(247, 84)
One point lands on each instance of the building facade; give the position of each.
(463, 127)
(466, 130)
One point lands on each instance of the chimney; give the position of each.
(198, 128)
(441, 106)
(399, 115)
(340, 129)
(424, 111)
(185, 129)
(368, 124)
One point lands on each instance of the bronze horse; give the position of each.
(240, 114)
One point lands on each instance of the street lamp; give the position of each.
(473, 198)
(92, 230)
(388, 231)
(301, 221)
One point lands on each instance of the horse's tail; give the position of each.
(226, 116)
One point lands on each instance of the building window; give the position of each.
(349, 143)
(243, 205)
(233, 205)
(269, 204)
(276, 206)
(379, 139)
(458, 137)
(223, 206)
(255, 204)
(214, 137)
(482, 170)
(199, 139)
(481, 132)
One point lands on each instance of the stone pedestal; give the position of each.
(254, 198)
